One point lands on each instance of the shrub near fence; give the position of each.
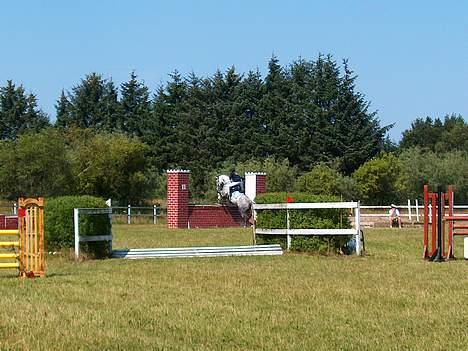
(59, 230)
(329, 218)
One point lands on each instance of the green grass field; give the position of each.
(390, 299)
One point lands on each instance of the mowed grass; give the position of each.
(390, 299)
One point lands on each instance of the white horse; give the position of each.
(243, 203)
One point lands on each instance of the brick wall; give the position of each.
(261, 183)
(209, 216)
(177, 198)
(8, 222)
(182, 215)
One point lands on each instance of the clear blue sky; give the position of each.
(411, 56)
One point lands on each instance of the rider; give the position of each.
(236, 182)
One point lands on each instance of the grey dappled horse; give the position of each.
(243, 203)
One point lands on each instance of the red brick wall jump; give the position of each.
(177, 198)
(209, 216)
(8, 222)
(261, 183)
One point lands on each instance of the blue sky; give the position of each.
(411, 56)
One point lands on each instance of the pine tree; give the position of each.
(275, 113)
(111, 108)
(63, 108)
(87, 103)
(19, 112)
(135, 106)
(358, 136)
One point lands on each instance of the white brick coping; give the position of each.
(178, 171)
(256, 173)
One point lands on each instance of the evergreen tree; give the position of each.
(135, 106)
(19, 112)
(357, 134)
(274, 110)
(87, 103)
(111, 108)
(63, 108)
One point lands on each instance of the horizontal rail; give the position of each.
(9, 232)
(8, 255)
(305, 205)
(9, 264)
(460, 233)
(91, 211)
(305, 231)
(90, 238)
(182, 252)
(456, 218)
(9, 243)
(135, 207)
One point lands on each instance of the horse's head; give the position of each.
(221, 186)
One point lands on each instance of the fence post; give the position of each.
(357, 224)
(15, 208)
(129, 215)
(76, 221)
(154, 214)
(287, 228)
(417, 210)
(409, 210)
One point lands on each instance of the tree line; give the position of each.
(304, 115)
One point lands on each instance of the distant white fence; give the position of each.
(354, 206)
(413, 212)
(130, 212)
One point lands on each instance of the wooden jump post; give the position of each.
(438, 209)
(25, 248)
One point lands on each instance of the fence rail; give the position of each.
(155, 212)
(289, 232)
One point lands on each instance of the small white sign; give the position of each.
(184, 186)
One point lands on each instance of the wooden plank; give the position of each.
(206, 248)
(95, 238)
(305, 205)
(196, 254)
(456, 218)
(9, 244)
(9, 255)
(305, 231)
(9, 232)
(259, 250)
(9, 265)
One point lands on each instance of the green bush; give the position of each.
(59, 226)
(303, 219)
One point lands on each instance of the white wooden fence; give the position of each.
(288, 231)
(88, 238)
(130, 212)
(412, 211)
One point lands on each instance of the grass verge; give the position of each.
(390, 299)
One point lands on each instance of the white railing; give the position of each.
(356, 231)
(89, 238)
(137, 211)
(412, 211)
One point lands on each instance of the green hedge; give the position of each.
(59, 230)
(303, 219)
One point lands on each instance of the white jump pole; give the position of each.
(76, 221)
(465, 247)
(357, 224)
